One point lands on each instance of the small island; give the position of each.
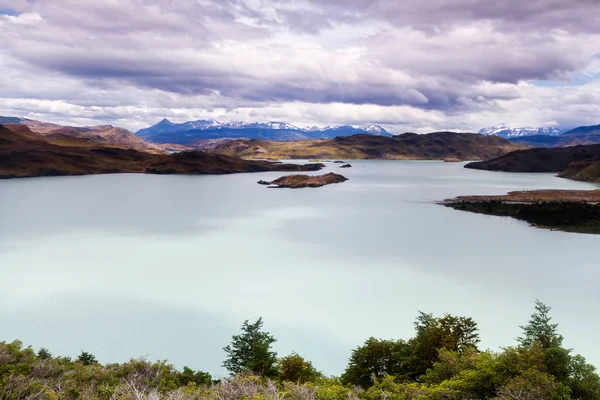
(346, 166)
(565, 210)
(302, 181)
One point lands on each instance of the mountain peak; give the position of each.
(165, 121)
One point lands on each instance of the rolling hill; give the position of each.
(409, 146)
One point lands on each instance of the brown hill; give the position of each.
(409, 146)
(26, 154)
(39, 126)
(540, 159)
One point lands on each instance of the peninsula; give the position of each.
(565, 210)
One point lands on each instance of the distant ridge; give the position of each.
(584, 130)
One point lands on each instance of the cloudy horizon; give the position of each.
(415, 65)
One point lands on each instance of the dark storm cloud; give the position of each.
(509, 15)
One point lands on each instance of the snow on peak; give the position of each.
(281, 125)
(375, 129)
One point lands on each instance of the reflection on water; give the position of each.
(169, 266)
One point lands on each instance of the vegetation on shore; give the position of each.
(562, 216)
(440, 362)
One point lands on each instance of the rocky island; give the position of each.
(565, 210)
(302, 181)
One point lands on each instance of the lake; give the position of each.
(169, 267)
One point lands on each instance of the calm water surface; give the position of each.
(170, 266)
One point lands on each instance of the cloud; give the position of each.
(405, 64)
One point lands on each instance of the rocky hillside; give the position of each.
(103, 134)
(409, 146)
(107, 134)
(24, 153)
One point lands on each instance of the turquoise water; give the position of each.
(170, 266)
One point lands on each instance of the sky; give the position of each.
(411, 65)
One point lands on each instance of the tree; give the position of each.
(44, 354)
(460, 333)
(251, 351)
(433, 334)
(199, 378)
(295, 368)
(539, 329)
(86, 358)
(377, 358)
(583, 380)
(533, 385)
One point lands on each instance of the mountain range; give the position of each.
(209, 134)
(191, 132)
(546, 136)
(579, 136)
(507, 132)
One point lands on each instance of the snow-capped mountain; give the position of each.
(187, 132)
(375, 130)
(505, 131)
